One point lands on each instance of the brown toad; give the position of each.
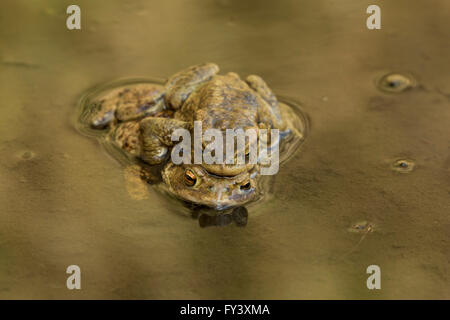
(142, 118)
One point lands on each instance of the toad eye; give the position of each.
(189, 178)
(246, 186)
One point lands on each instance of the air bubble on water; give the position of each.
(26, 155)
(403, 165)
(396, 82)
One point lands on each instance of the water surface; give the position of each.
(64, 200)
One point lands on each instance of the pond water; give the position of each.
(369, 186)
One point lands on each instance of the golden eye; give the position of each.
(246, 186)
(189, 178)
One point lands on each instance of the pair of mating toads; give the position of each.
(140, 119)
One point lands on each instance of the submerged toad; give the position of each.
(141, 118)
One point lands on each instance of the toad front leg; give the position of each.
(156, 139)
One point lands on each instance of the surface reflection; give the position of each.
(208, 217)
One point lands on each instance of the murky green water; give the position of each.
(371, 184)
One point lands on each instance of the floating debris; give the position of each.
(18, 64)
(362, 227)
